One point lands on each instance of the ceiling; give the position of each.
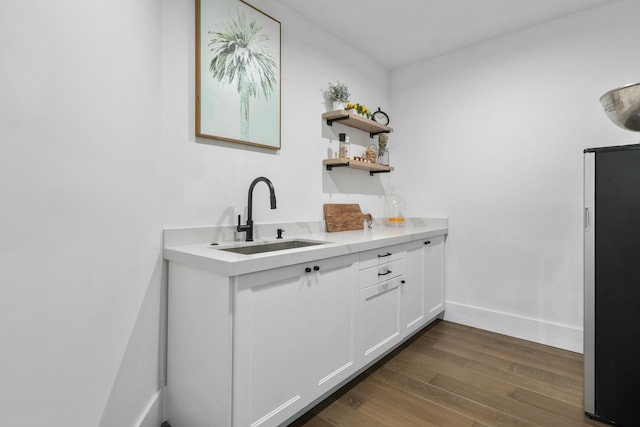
(397, 33)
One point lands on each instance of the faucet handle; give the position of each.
(280, 231)
(241, 227)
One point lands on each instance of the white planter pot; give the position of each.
(337, 105)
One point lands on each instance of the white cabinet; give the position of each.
(331, 315)
(259, 349)
(423, 288)
(380, 311)
(268, 355)
(294, 338)
(413, 291)
(199, 347)
(434, 276)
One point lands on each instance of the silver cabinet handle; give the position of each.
(587, 219)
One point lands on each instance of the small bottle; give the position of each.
(344, 146)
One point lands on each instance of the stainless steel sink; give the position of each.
(271, 247)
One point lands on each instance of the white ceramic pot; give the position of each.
(337, 105)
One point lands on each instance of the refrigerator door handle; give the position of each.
(587, 219)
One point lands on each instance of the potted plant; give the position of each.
(338, 94)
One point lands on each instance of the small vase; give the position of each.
(383, 158)
(383, 149)
(337, 105)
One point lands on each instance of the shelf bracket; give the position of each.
(337, 119)
(372, 134)
(337, 165)
(371, 173)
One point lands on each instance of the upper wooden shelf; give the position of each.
(356, 121)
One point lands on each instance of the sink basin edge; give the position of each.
(269, 246)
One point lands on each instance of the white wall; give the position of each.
(492, 137)
(80, 253)
(97, 156)
(206, 182)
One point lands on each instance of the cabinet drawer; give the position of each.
(379, 256)
(379, 288)
(382, 272)
(380, 317)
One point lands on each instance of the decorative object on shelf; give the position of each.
(237, 60)
(383, 150)
(394, 210)
(359, 109)
(343, 150)
(381, 117)
(371, 154)
(338, 94)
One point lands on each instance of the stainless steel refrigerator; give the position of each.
(612, 284)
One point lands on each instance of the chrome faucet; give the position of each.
(248, 227)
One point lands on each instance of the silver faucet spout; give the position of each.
(248, 227)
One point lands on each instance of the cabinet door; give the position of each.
(413, 290)
(269, 354)
(380, 323)
(434, 276)
(331, 311)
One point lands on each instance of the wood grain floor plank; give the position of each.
(463, 329)
(455, 375)
(505, 348)
(508, 372)
(446, 399)
(525, 408)
(408, 409)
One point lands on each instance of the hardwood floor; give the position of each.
(455, 375)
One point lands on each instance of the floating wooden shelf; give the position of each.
(373, 168)
(356, 121)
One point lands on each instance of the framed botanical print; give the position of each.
(237, 73)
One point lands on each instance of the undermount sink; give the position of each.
(271, 247)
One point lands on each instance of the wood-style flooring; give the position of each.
(455, 375)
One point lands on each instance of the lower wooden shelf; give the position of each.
(373, 168)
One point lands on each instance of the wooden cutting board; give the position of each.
(344, 217)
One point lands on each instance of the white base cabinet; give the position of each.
(259, 349)
(433, 273)
(199, 348)
(423, 287)
(294, 338)
(380, 311)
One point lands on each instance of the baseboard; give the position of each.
(548, 333)
(152, 415)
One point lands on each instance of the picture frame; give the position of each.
(238, 88)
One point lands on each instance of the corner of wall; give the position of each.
(547, 333)
(153, 413)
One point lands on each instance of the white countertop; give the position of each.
(192, 246)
